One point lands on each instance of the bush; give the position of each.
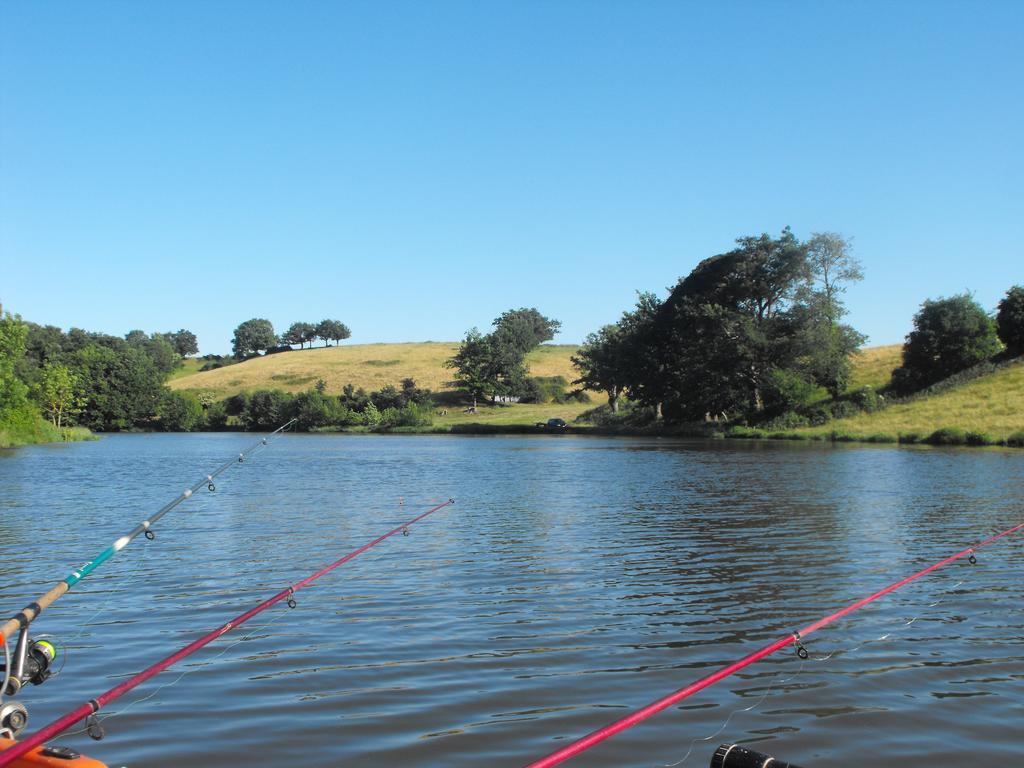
(866, 399)
(217, 415)
(629, 415)
(786, 391)
(947, 436)
(843, 409)
(1016, 440)
(787, 420)
(1010, 320)
(267, 410)
(978, 438)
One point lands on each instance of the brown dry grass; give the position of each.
(370, 366)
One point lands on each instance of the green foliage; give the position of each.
(121, 389)
(786, 390)
(59, 393)
(299, 333)
(266, 410)
(1016, 439)
(217, 415)
(180, 412)
(603, 362)
(252, 336)
(157, 348)
(371, 416)
(950, 335)
(494, 364)
(478, 366)
(1010, 320)
(183, 342)
(15, 408)
(543, 389)
(332, 330)
(947, 436)
(522, 330)
(867, 399)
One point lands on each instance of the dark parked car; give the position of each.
(556, 424)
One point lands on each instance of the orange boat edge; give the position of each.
(51, 757)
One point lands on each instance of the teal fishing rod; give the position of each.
(21, 620)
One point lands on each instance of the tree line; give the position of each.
(88, 379)
(257, 336)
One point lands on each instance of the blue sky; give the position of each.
(414, 169)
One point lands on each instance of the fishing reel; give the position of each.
(32, 663)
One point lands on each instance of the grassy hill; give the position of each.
(370, 366)
(991, 407)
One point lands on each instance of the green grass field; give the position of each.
(991, 406)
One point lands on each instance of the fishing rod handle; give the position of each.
(733, 756)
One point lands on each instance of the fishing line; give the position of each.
(795, 639)
(88, 709)
(30, 612)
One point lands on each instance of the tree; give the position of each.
(727, 322)
(299, 333)
(121, 388)
(184, 342)
(476, 367)
(522, 330)
(59, 393)
(602, 363)
(831, 265)
(14, 403)
(252, 336)
(332, 330)
(180, 412)
(158, 348)
(1010, 320)
(950, 335)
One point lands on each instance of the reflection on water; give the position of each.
(575, 579)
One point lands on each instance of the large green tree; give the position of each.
(15, 408)
(1010, 320)
(950, 335)
(252, 337)
(601, 361)
(121, 388)
(479, 367)
(183, 341)
(725, 326)
(522, 330)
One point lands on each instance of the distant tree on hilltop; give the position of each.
(299, 333)
(252, 336)
(332, 330)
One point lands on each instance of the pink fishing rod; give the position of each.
(92, 706)
(638, 716)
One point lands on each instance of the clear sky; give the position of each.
(415, 168)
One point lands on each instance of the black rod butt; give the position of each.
(733, 756)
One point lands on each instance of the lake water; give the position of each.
(575, 580)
